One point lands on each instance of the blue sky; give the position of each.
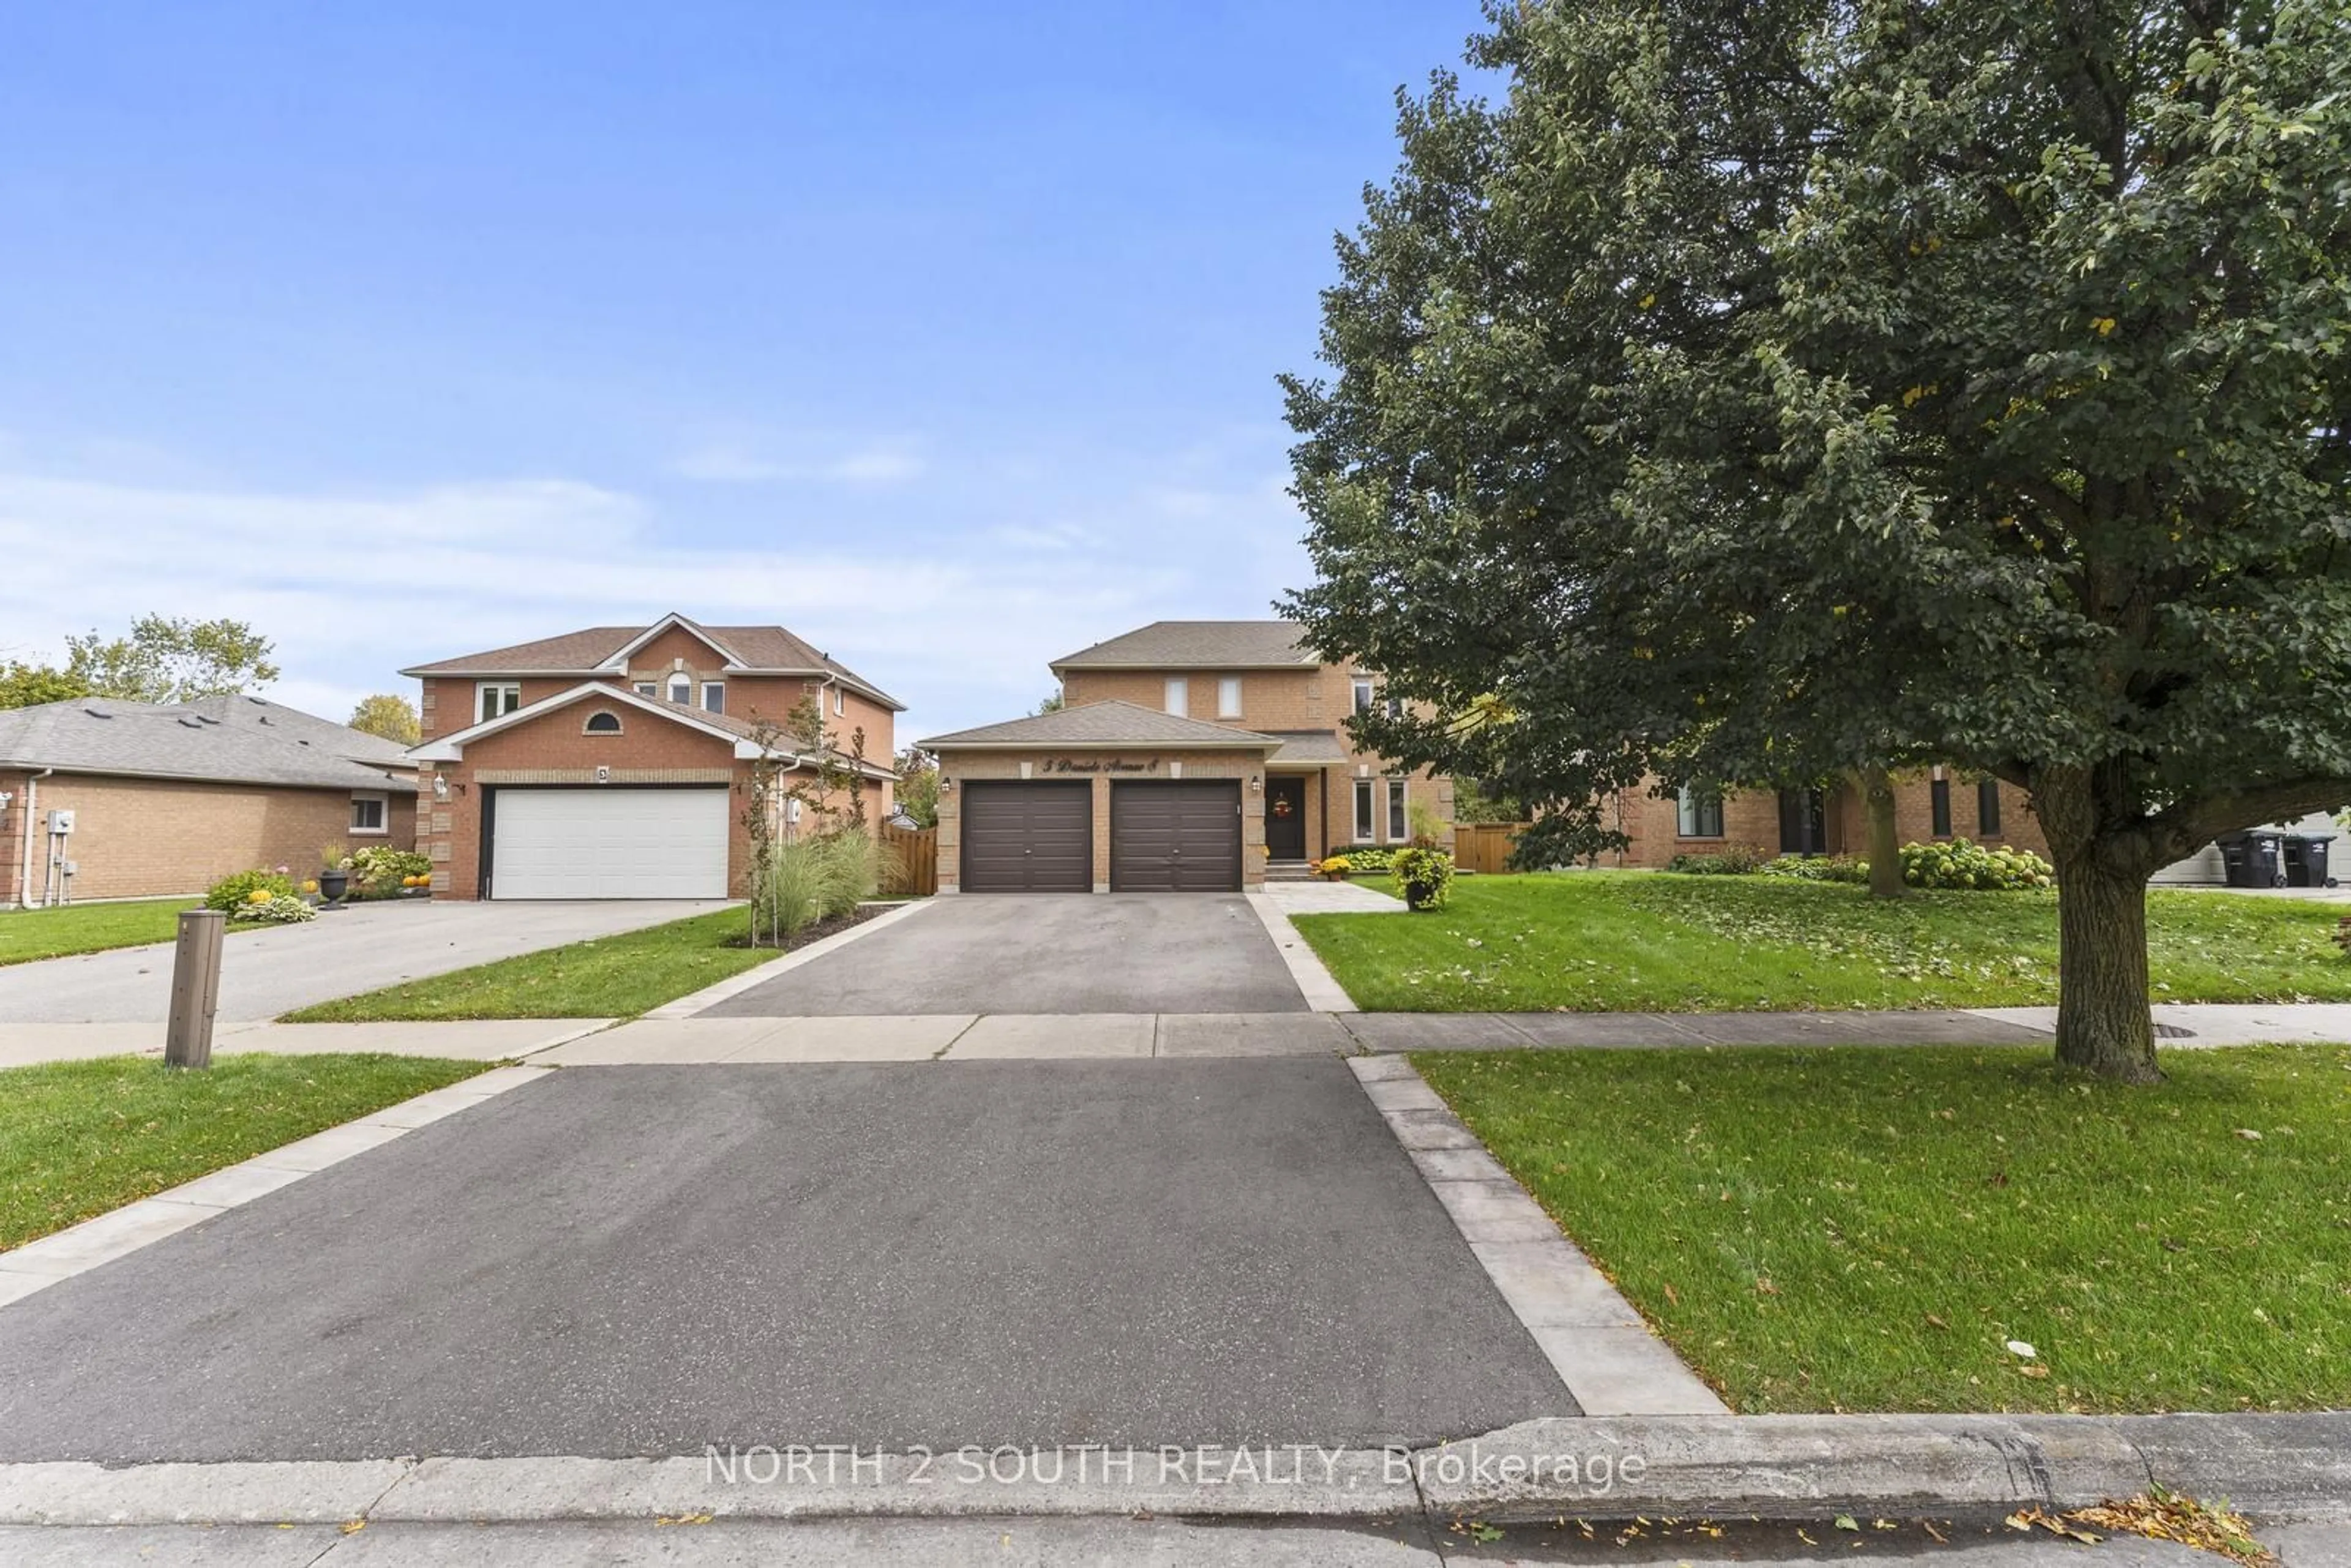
(946, 335)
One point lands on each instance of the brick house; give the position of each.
(1186, 755)
(101, 799)
(1938, 804)
(619, 761)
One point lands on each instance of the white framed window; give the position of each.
(1179, 696)
(1362, 684)
(839, 702)
(1228, 696)
(681, 688)
(601, 723)
(1399, 820)
(648, 689)
(713, 697)
(1366, 810)
(495, 699)
(1393, 708)
(370, 814)
(1697, 814)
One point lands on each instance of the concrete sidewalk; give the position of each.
(490, 1039)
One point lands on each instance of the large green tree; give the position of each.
(170, 659)
(1761, 391)
(28, 685)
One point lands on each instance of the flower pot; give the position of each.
(333, 884)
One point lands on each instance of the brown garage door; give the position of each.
(1175, 838)
(1027, 838)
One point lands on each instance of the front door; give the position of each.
(1285, 817)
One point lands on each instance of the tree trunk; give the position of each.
(1885, 852)
(2104, 1024)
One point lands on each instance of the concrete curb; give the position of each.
(1771, 1466)
(1322, 992)
(1599, 1345)
(78, 1248)
(735, 984)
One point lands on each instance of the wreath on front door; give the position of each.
(1281, 806)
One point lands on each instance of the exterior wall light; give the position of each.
(439, 787)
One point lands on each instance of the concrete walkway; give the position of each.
(492, 1040)
(368, 946)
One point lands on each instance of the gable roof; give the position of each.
(1198, 645)
(225, 740)
(743, 734)
(594, 650)
(1104, 725)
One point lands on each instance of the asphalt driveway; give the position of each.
(632, 1261)
(266, 973)
(1076, 953)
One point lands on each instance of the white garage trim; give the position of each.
(608, 844)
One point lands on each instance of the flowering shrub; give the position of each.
(381, 862)
(1367, 859)
(1426, 874)
(276, 909)
(233, 891)
(1818, 868)
(1963, 863)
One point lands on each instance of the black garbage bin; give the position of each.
(2305, 860)
(2252, 860)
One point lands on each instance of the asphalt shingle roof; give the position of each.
(1197, 645)
(1105, 724)
(584, 651)
(232, 739)
(1309, 746)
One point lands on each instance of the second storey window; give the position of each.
(648, 689)
(681, 687)
(1365, 806)
(1362, 694)
(1229, 698)
(1179, 696)
(714, 695)
(495, 699)
(1698, 814)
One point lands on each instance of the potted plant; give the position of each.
(334, 875)
(1425, 875)
(1337, 868)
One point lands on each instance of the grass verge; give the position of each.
(606, 976)
(78, 1138)
(1867, 1229)
(26, 934)
(1635, 942)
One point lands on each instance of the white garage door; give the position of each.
(608, 844)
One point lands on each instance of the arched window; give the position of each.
(681, 687)
(603, 724)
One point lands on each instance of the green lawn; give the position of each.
(1643, 942)
(609, 977)
(1864, 1229)
(29, 934)
(78, 1138)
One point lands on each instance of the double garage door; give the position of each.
(1032, 837)
(608, 842)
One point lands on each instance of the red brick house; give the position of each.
(1939, 803)
(618, 761)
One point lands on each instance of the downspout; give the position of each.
(32, 815)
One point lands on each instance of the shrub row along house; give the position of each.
(620, 761)
(1936, 805)
(103, 798)
(1185, 755)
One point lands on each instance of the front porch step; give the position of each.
(1290, 870)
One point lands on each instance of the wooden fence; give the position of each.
(1485, 846)
(916, 852)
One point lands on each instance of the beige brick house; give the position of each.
(1186, 755)
(620, 762)
(101, 799)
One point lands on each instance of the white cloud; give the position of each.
(352, 587)
(740, 459)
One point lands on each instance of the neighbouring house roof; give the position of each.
(224, 740)
(744, 734)
(1198, 645)
(1103, 724)
(601, 650)
(1317, 746)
